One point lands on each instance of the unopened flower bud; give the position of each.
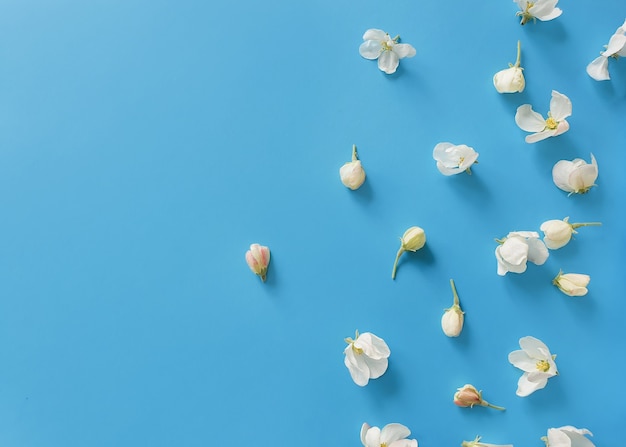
(468, 396)
(412, 240)
(452, 319)
(510, 80)
(258, 259)
(572, 284)
(558, 233)
(352, 173)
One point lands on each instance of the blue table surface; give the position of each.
(146, 144)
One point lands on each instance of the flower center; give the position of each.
(387, 44)
(384, 444)
(543, 365)
(461, 160)
(551, 123)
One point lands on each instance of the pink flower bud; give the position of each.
(258, 258)
(468, 396)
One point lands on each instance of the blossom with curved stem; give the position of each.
(476, 443)
(598, 69)
(453, 159)
(352, 173)
(517, 248)
(392, 435)
(511, 80)
(558, 233)
(366, 357)
(379, 45)
(572, 284)
(567, 436)
(412, 240)
(537, 363)
(468, 396)
(555, 124)
(576, 176)
(453, 317)
(539, 9)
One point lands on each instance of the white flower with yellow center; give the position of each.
(379, 45)
(537, 363)
(598, 69)
(366, 357)
(539, 9)
(392, 435)
(454, 159)
(555, 124)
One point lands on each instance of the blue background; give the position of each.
(146, 144)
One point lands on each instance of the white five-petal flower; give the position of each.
(379, 45)
(454, 159)
(517, 248)
(598, 69)
(392, 435)
(568, 436)
(576, 176)
(539, 9)
(555, 124)
(537, 363)
(366, 357)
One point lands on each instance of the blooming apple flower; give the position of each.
(258, 259)
(567, 436)
(598, 69)
(476, 443)
(352, 173)
(540, 9)
(537, 363)
(379, 45)
(412, 240)
(468, 396)
(511, 80)
(558, 233)
(576, 176)
(392, 435)
(517, 248)
(453, 159)
(572, 284)
(452, 320)
(555, 124)
(366, 357)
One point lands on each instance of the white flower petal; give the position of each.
(393, 432)
(373, 346)
(525, 387)
(534, 347)
(583, 177)
(359, 371)
(404, 443)
(560, 106)
(598, 69)
(370, 49)
(364, 428)
(537, 251)
(404, 50)
(529, 120)
(388, 62)
(377, 367)
(514, 251)
(615, 45)
(562, 127)
(372, 437)
(558, 438)
(375, 34)
(540, 136)
(521, 360)
(561, 174)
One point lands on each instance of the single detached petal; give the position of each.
(388, 62)
(560, 106)
(525, 387)
(370, 49)
(529, 120)
(404, 50)
(598, 69)
(393, 432)
(561, 175)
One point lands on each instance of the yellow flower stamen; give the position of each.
(551, 123)
(543, 365)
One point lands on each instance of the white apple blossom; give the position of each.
(352, 173)
(598, 69)
(476, 443)
(555, 124)
(366, 357)
(568, 436)
(379, 45)
(392, 435)
(572, 284)
(558, 233)
(539, 9)
(511, 80)
(517, 248)
(576, 176)
(537, 363)
(453, 159)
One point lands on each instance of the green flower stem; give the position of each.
(355, 155)
(487, 404)
(395, 264)
(456, 295)
(586, 224)
(519, 54)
